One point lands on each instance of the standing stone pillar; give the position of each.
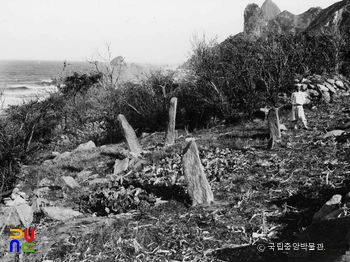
(170, 133)
(274, 126)
(197, 184)
(129, 135)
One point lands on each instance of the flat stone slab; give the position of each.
(25, 214)
(60, 213)
(313, 93)
(333, 133)
(331, 81)
(45, 182)
(8, 216)
(327, 211)
(70, 181)
(283, 127)
(322, 88)
(330, 87)
(62, 156)
(86, 146)
(98, 181)
(339, 84)
(83, 175)
(121, 165)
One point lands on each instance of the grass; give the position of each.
(261, 196)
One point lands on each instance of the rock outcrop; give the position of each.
(286, 22)
(270, 9)
(333, 19)
(269, 18)
(254, 20)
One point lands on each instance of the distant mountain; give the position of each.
(334, 19)
(269, 18)
(119, 60)
(270, 9)
(286, 22)
(254, 20)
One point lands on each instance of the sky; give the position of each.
(142, 31)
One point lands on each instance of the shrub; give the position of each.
(240, 75)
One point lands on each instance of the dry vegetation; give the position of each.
(144, 214)
(261, 196)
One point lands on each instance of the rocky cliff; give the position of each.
(334, 19)
(270, 9)
(287, 22)
(269, 18)
(254, 20)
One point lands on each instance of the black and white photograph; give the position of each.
(174, 131)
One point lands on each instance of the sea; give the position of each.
(21, 81)
(24, 80)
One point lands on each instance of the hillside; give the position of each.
(143, 213)
(67, 175)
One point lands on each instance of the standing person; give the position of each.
(298, 100)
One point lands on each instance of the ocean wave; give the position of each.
(46, 82)
(28, 87)
(16, 87)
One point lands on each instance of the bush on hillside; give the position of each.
(10, 150)
(144, 104)
(240, 75)
(24, 131)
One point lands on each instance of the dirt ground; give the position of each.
(261, 196)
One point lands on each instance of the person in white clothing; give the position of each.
(298, 100)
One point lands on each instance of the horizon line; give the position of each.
(86, 61)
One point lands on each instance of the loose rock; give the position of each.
(322, 88)
(62, 156)
(60, 213)
(333, 133)
(83, 175)
(45, 182)
(283, 127)
(331, 81)
(331, 205)
(86, 146)
(312, 93)
(70, 181)
(120, 165)
(339, 84)
(330, 87)
(326, 97)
